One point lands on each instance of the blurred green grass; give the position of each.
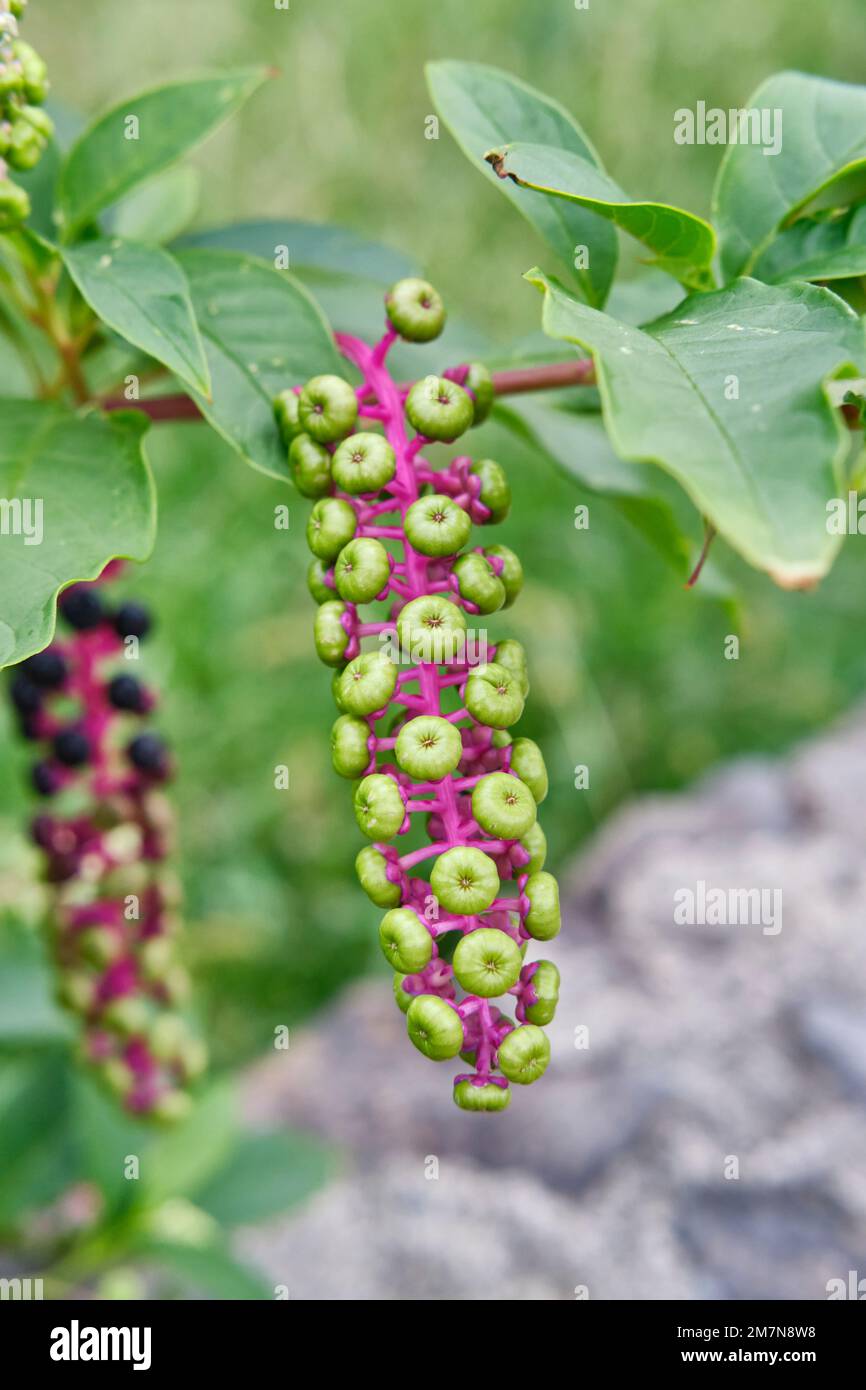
(629, 675)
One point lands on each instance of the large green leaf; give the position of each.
(160, 209)
(262, 332)
(319, 246)
(682, 244)
(761, 466)
(104, 163)
(822, 158)
(97, 502)
(576, 441)
(484, 107)
(267, 1173)
(815, 248)
(34, 1163)
(141, 292)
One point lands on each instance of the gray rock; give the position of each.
(708, 1141)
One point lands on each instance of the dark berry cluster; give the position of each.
(115, 917)
(24, 127)
(426, 704)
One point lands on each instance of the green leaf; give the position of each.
(97, 502)
(760, 467)
(34, 1162)
(577, 443)
(817, 249)
(484, 107)
(682, 244)
(209, 1267)
(142, 293)
(266, 1174)
(113, 155)
(183, 1158)
(311, 246)
(822, 158)
(262, 332)
(28, 1014)
(160, 209)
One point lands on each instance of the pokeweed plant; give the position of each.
(736, 366)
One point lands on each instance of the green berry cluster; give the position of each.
(24, 127)
(425, 713)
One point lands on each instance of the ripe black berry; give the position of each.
(44, 779)
(149, 754)
(82, 608)
(47, 669)
(125, 692)
(71, 747)
(25, 696)
(132, 620)
(28, 727)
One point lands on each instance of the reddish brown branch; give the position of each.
(547, 377)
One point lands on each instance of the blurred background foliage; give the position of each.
(629, 674)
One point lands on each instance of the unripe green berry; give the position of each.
(495, 491)
(434, 1027)
(128, 1015)
(524, 1054)
(99, 946)
(503, 806)
(329, 634)
(171, 1107)
(493, 696)
(511, 574)
(487, 962)
(166, 1036)
(415, 310)
(436, 526)
(432, 630)
(535, 844)
(528, 762)
(156, 957)
(487, 1098)
(77, 991)
(335, 691)
(428, 748)
(438, 408)
(367, 683)
(327, 408)
(364, 462)
(406, 943)
(321, 592)
(402, 998)
(35, 71)
(286, 415)
(379, 807)
(371, 867)
(350, 753)
(545, 982)
(310, 466)
(361, 570)
(24, 147)
(478, 582)
(480, 383)
(39, 120)
(511, 654)
(332, 525)
(117, 1076)
(464, 880)
(543, 918)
